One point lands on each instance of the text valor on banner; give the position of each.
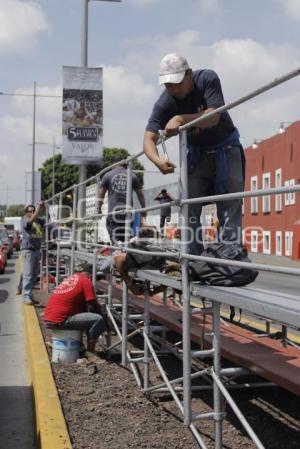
(82, 115)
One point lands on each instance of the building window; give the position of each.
(278, 201)
(292, 194)
(254, 200)
(266, 242)
(266, 184)
(289, 197)
(278, 243)
(288, 243)
(254, 239)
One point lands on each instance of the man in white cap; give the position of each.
(215, 155)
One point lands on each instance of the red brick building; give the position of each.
(272, 223)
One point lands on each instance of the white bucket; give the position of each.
(65, 345)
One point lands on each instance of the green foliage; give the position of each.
(67, 175)
(15, 210)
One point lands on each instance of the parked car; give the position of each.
(6, 241)
(16, 239)
(3, 257)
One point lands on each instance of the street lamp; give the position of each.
(282, 127)
(34, 95)
(255, 143)
(54, 147)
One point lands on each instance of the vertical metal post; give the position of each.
(146, 332)
(75, 194)
(184, 229)
(97, 196)
(125, 289)
(33, 147)
(58, 240)
(109, 307)
(47, 248)
(84, 63)
(53, 167)
(217, 370)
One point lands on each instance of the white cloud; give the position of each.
(291, 8)
(21, 22)
(131, 89)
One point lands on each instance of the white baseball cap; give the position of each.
(172, 69)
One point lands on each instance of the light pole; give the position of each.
(33, 145)
(54, 147)
(84, 63)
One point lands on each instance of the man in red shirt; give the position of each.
(73, 306)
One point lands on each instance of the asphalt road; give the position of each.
(16, 406)
(278, 282)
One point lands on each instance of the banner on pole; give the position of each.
(82, 115)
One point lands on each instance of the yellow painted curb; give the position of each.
(51, 427)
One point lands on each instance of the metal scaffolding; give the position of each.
(281, 308)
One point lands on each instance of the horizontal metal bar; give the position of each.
(203, 416)
(135, 360)
(237, 195)
(137, 316)
(202, 354)
(234, 372)
(178, 380)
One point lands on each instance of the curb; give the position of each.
(51, 428)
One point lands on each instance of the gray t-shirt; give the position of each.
(32, 233)
(115, 182)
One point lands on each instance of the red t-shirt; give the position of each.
(69, 298)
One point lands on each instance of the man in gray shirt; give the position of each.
(32, 231)
(114, 182)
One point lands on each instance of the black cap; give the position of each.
(84, 268)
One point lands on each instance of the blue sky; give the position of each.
(247, 43)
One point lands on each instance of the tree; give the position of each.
(15, 210)
(67, 175)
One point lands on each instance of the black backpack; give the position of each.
(223, 275)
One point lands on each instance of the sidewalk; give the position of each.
(17, 420)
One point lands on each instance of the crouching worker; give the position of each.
(127, 263)
(73, 306)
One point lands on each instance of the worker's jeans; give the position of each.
(201, 183)
(92, 323)
(31, 268)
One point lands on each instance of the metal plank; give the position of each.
(280, 307)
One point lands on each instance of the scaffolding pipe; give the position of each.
(186, 337)
(125, 289)
(237, 411)
(75, 195)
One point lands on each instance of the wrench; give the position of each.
(162, 136)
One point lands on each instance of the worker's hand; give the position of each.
(171, 128)
(165, 166)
